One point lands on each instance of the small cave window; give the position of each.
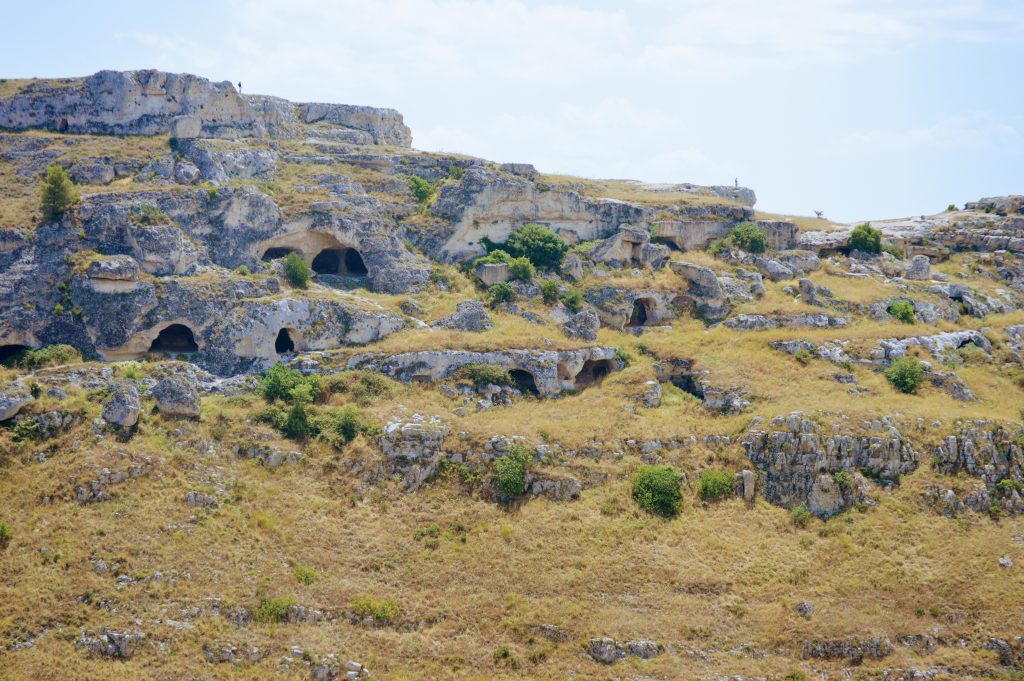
(525, 381)
(641, 312)
(354, 264)
(174, 339)
(62, 126)
(9, 353)
(593, 371)
(284, 342)
(276, 252)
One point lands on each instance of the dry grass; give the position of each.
(633, 192)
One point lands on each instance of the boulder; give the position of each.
(114, 267)
(177, 396)
(703, 289)
(120, 645)
(12, 399)
(469, 315)
(122, 407)
(919, 268)
(572, 267)
(492, 273)
(582, 325)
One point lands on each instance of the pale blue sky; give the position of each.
(860, 108)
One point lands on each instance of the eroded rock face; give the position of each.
(122, 407)
(110, 643)
(801, 466)
(12, 399)
(991, 452)
(621, 307)
(413, 448)
(704, 290)
(757, 322)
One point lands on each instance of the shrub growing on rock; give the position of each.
(495, 257)
(866, 238)
(539, 245)
(902, 310)
(573, 300)
(50, 355)
(57, 194)
(906, 374)
(423, 190)
(549, 291)
(279, 381)
(715, 485)
(656, 490)
(483, 374)
(749, 237)
(271, 610)
(510, 472)
(297, 270)
(502, 292)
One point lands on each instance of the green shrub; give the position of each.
(893, 251)
(656, 490)
(365, 387)
(296, 424)
(951, 208)
(510, 472)
(341, 426)
(49, 356)
(800, 515)
(57, 194)
(456, 172)
(382, 610)
(719, 245)
(297, 270)
(549, 291)
(843, 479)
(495, 257)
(906, 374)
(422, 190)
(502, 292)
(243, 271)
(483, 374)
(539, 245)
(147, 215)
(749, 237)
(902, 310)
(866, 238)
(278, 382)
(623, 356)
(573, 300)
(304, 574)
(803, 356)
(521, 269)
(129, 370)
(271, 610)
(1009, 485)
(715, 485)
(5, 535)
(26, 430)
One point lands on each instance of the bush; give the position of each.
(483, 374)
(800, 515)
(365, 387)
(279, 382)
(866, 238)
(902, 310)
(305, 574)
(148, 214)
(26, 430)
(573, 300)
(57, 194)
(719, 245)
(715, 485)
(521, 269)
(5, 535)
(422, 189)
(843, 479)
(502, 292)
(297, 270)
(549, 291)
(243, 271)
(951, 208)
(456, 172)
(272, 610)
(893, 251)
(48, 356)
(656, 490)
(495, 257)
(803, 356)
(296, 424)
(341, 426)
(749, 237)
(510, 472)
(539, 245)
(382, 610)
(906, 374)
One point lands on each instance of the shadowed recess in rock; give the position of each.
(284, 342)
(593, 372)
(175, 338)
(9, 353)
(525, 381)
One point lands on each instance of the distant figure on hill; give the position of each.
(239, 86)
(736, 181)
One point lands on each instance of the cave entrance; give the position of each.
(525, 381)
(284, 342)
(9, 353)
(345, 261)
(62, 126)
(276, 252)
(593, 372)
(175, 338)
(642, 308)
(688, 383)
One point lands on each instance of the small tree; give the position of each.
(521, 269)
(749, 237)
(502, 292)
(573, 300)
(423, 190)
(57, 194)
(902, 310)
(539, 245)
(549, 291)
(906, 374)
(866, 239)
(656, 490)
(297, 270)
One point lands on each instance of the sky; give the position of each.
(863, 109)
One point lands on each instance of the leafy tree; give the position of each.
(538, 244)
(906, 374)
(57, 194)
(423, 190)
(297, 270)
(866, 238)
(749, 237)
(656, 490)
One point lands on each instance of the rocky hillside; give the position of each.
(283, 397)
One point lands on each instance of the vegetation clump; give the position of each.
(549, 291)
(57, 194)
(519, 269)
(148, 214)
(272, 610)
(384, 610)
(484, 374)
(510, 472)
(902, 310)
(906, 374)
(535, 242)
(51, 355)
(715, 485)
(297, 270)
(573, 300)
(749, 237)
(502, 292)
(866, 239)
(800, 515)
(656, 490)
(5, 535)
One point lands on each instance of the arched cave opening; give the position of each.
(525, 381)
(284, 342)
(594, 371)
(276, 252)
(642, 308)
(346, 261)
(9, 353)
(176, 338)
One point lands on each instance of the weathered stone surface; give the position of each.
(629, 247)
(854, 650)
(110, 643)
(493, 273)
(176, 396)
(12, 398)
(122, 407)
(757, 322)
(582, 325)
(990, 452)
(469, 315)
(621, 307)
(608, 650)
(704, 290)
(919, 268)
(414, 448)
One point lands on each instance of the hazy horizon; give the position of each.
(864, 110)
